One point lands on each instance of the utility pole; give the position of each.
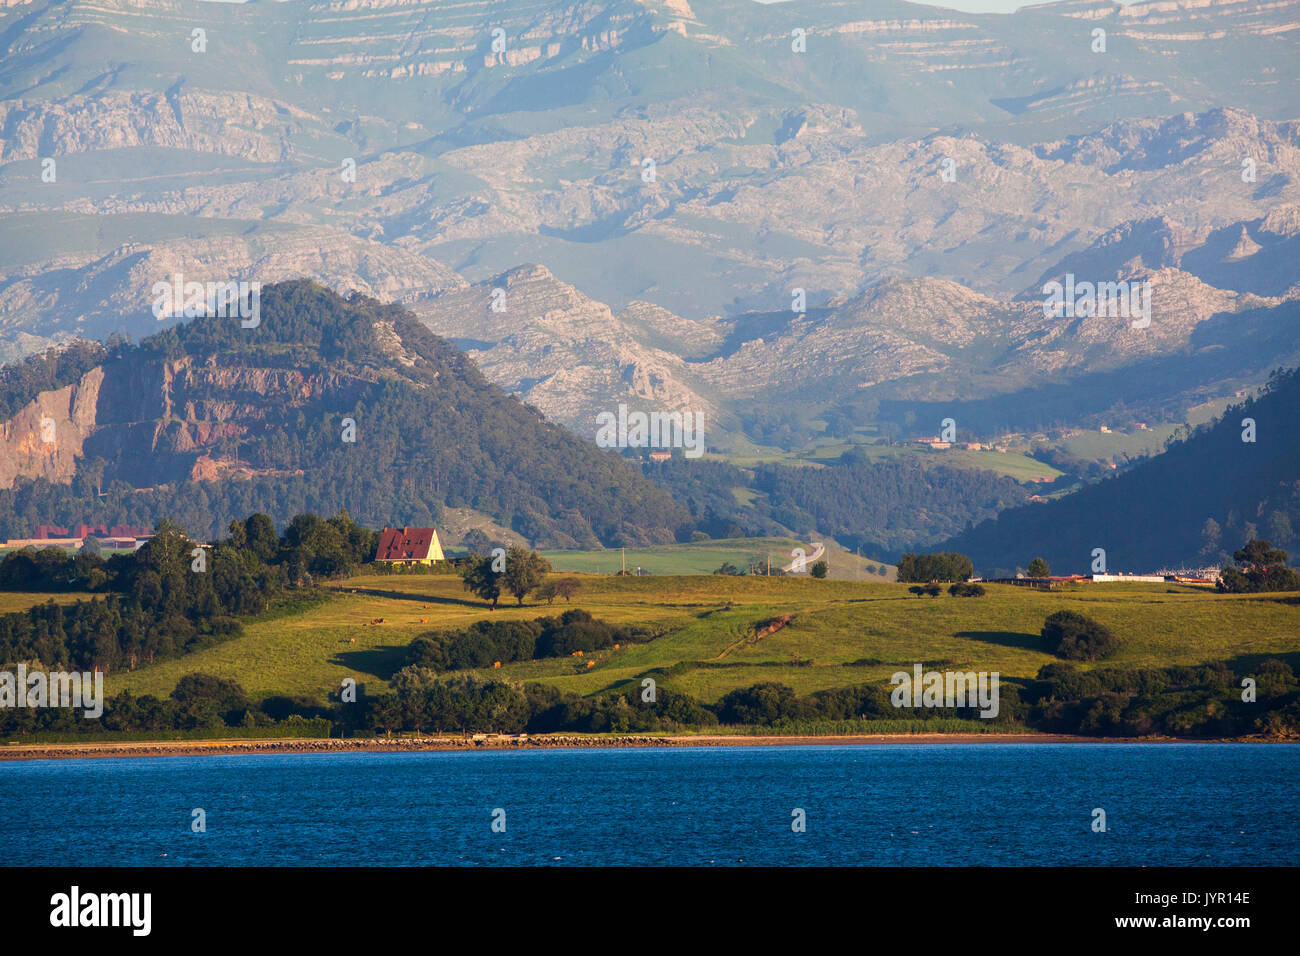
(624, 550)
(769, 564)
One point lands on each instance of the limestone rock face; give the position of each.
(46, 438)
(161, 421)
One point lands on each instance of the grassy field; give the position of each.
(21, 601)
(1013, 463)
(705, 557)
(840, 633)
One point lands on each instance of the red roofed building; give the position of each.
(409, 546)
(98, 530)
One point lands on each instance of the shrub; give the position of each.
(1074, 637)
(486, 642)
(759, 704)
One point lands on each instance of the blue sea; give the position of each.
(880, 805)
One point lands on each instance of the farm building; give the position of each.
(409, 546)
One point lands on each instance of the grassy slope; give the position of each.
(705, 557)
(21, 600)
(1013, 464)
(851, 632)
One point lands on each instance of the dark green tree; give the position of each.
(941, 566)
(524, 571)
(1075, 637)
(479, 579)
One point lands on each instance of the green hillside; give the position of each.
(1194, 504)
(705, 557)
(841, 633)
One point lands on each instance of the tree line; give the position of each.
(170, 596)
(1192, 702)
(487, 643)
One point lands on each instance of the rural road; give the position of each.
(818, 550)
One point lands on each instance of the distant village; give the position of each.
(397, 546)
(121, 537)
(1004, 442)
(1205, 576)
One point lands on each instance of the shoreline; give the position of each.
(479, 742)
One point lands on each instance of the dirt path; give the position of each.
(763, 629)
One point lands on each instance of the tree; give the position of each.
(760, 704)
(819, 569)
(317, 546)
(478, 578)
(524, 571)
(259, 531)
(942, 566)
(567, 588)
(547, 592)
(200, 694)
(1262, 568)
(1260, 554)
(1071, 635)
(1038, 568)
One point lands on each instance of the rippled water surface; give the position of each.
(951, 805)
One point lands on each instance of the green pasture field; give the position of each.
(705, 557)
(839, 633)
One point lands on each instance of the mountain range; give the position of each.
(818, 224)
(649, 182)
(327, 404)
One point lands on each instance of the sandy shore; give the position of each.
(177, 748)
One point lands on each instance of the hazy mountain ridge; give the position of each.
(773, 170)
(917, 338)
(326, 404)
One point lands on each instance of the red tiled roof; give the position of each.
(404, 544)
(82, 530)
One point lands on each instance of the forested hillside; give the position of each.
(883, 507)
(1229, 482)
(328, 404)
